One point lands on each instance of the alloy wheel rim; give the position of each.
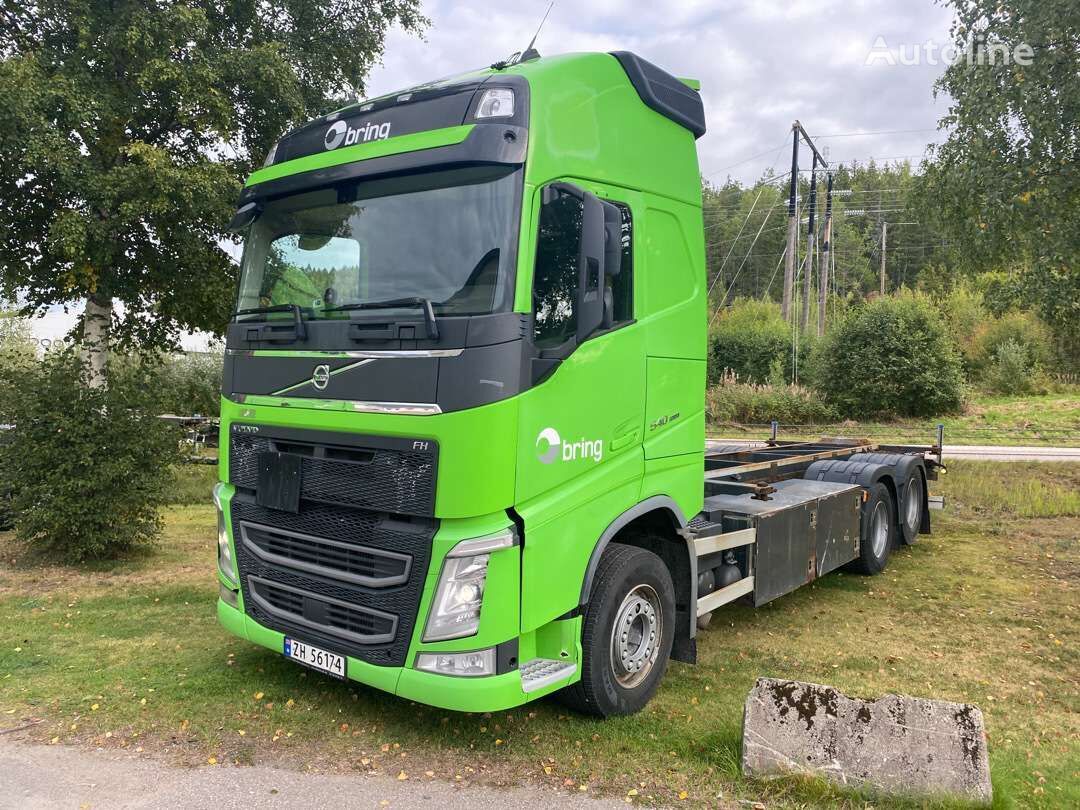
(635, 636)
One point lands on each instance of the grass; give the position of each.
(1049, 419)
(983, 610)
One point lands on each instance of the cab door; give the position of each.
(580, 460)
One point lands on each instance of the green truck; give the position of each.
(462, 437)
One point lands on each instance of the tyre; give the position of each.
(626, 635)
(878, 530)
(911, 511)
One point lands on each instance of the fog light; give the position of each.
(225, 559)
(228, 596)
(468, 665)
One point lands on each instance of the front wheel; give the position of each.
(627, 633)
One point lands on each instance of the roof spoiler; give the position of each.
(668, 95)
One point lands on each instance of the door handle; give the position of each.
(625, 435)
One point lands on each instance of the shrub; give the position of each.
(749, 338)
(1021, 328)
(964, 313)
(1012, 370)
(890, 357)
(750, 404)
(87, 468)
(187, 384)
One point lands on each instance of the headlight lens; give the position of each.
(455, 612)
(469, 664)
(225, 558)
(498, 102)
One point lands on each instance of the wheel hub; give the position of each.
(635, 636)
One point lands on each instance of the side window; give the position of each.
(622, 285)
(556, 275)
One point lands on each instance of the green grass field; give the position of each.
(1049, 419)
(984, 610)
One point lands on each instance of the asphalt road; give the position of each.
(974, 452)
(35, 777)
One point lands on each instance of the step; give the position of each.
(541, 672)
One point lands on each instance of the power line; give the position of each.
(878, 132)
(747, 160)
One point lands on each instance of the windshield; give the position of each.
(448, 238)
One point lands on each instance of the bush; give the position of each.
(964, 313)
(1012, 370)
(751, 340)
(87, 468)
(750, 404)
(892, 357)
(187, 384)
(1024, 329)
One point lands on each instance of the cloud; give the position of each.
(761, 63)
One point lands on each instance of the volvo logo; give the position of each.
(320, 378)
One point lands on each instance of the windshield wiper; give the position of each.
(423, 304)
(299, 327)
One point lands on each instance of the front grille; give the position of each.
(296, 606)
(378, 473)
(319, 555)
(345, 579)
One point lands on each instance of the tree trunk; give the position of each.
(97, 322)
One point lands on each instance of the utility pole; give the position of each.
(811, 238)
(884, 236)
(793, 225)
(793, 222)
(826, 250)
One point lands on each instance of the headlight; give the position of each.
(498, 102)
(455, 612)
(469, 664)
(225, 558)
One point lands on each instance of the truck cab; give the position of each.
(462, 421)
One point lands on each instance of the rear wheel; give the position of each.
(911, 514)
(878, 532)
(626, 635)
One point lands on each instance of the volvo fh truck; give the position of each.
(462, 428)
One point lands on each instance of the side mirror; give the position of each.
(244, 216)
(590, 289)
(581, 242)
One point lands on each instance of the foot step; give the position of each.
(541, 672)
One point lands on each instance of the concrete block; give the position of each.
(896, 744)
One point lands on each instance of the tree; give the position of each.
(126, 129)
(1006, 182)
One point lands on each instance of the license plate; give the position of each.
(328, 662)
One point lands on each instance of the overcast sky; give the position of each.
(761, 63)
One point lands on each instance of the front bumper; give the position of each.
(482, 694)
